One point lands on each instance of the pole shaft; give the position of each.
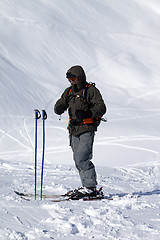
(43, 150)
(37, 116)
(35, 155)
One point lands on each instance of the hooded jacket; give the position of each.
(73, 100)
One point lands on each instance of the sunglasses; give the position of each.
(73, 80)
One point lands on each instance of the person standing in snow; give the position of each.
(85, 108)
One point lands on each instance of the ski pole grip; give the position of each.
(37, 114)
(44, 115)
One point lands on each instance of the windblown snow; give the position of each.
(117, 43)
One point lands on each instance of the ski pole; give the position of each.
(44, 117)
(37, 116)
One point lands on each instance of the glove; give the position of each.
(60, 109)
(80, 114)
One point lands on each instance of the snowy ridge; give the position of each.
(117, 43)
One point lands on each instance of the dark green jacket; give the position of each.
(73, 99)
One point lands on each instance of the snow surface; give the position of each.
(117, 43)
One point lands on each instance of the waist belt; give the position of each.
(84, 121)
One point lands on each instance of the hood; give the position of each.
(78, 71)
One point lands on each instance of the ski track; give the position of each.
(121, 218)
(61, 143)
(14, 139)
(124, 139)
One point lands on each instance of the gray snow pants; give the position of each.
(82, 146)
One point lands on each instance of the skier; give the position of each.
(85, 108)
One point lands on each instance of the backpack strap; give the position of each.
(84, 94)
(69, 95)
(88, 85)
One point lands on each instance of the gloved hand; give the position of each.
(80, 114)
(60, 109)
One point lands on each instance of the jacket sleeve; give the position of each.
(97, 105)
(62, 102)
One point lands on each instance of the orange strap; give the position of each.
(87, 86)
(87, 120)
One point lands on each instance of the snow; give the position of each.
(117, 43)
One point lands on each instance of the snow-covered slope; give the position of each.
(117, 43)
